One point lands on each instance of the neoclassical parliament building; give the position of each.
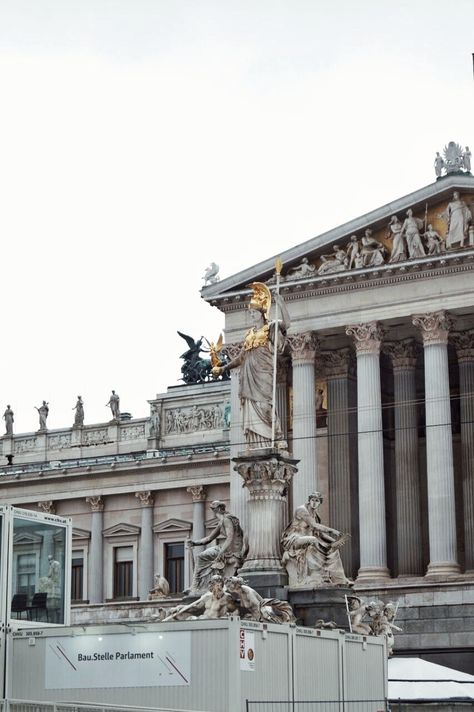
(375, 392)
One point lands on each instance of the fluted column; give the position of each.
(48, 507)
(464, 343)
(339, 369)
(373, 542)
(96, 571)
(407, 482)
(198, 493)
(303, 354)
(434, 328)
(282, 395)
(145, 553)
(238, 495)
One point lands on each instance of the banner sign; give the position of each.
(125, 660)
(247, 650)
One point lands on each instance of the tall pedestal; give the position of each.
(267, 475)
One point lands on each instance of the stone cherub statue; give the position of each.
(161, 588)
(311, 549)
(380, 615)
(225, 558)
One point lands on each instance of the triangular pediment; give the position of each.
(27, 538)
(304, 263)
(121, 530)
(173, 525)
(80, 534)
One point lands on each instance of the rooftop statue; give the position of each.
(43, 412)
(8, 418)
(256, 362)
(311, 549)
(455, 159)
(226, 557)
(114, 404)
(79, 414)
(211, 274)
(196, 369)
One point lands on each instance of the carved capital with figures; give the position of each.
(464, 344)
(96, 503)
(48, 506)
(367, 337)
(434, 327)
(146, 498)
(403, 353)
(198, 493)
(338, 364)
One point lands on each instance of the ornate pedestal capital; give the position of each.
(48, 507)
(231, 350)
(403, 353)
(434, 327)
(464, 344)
(198, 493)
(367, 337)
(96, 503)
(304, 347)
(338, 364)
(146, 498)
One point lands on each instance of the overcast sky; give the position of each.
(143, 139)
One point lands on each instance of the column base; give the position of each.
(373, 574)
(443, 569)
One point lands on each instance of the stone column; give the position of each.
(434, 329)
(145, 552)
(238, 494)
(282, 395)
(373, 542)
(48, 507)
(303, 353)
(267, 476)
(407, 482)
(96, 569)
(198, 493)
(342, 446)
(464, 343)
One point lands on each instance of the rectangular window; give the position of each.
(77, 576)
(174, 566)
(123, 572)
(26, 574)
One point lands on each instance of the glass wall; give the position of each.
(38, 570)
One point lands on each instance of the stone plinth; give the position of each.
(328, 604)
(267, 475)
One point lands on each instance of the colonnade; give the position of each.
(354, 420)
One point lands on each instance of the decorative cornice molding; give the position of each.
(434, 327)
(464, 344)
(403, 353)
(48, 507)
(198, 493)
(367, 337)
(338, 364)
(304, 346)
(96, 503)
(146, 498)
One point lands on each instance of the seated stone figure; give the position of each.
(311, 549)
(161, 588)
(225, 558)
(252, 605)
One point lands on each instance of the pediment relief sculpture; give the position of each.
(414, 234)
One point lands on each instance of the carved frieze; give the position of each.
(132, 432)
(24, 445)
(59, 442)
(434, 327)
(95, 437)
(197, 418)
(367, 337)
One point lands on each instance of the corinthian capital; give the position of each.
(434, 327)
(367, 337)
(304, 347)
(47, 507)
(464, 344)
(403, 353)
(96, 503)
(198, 493)
(231, 350)
(146, 498)
(338, 364)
